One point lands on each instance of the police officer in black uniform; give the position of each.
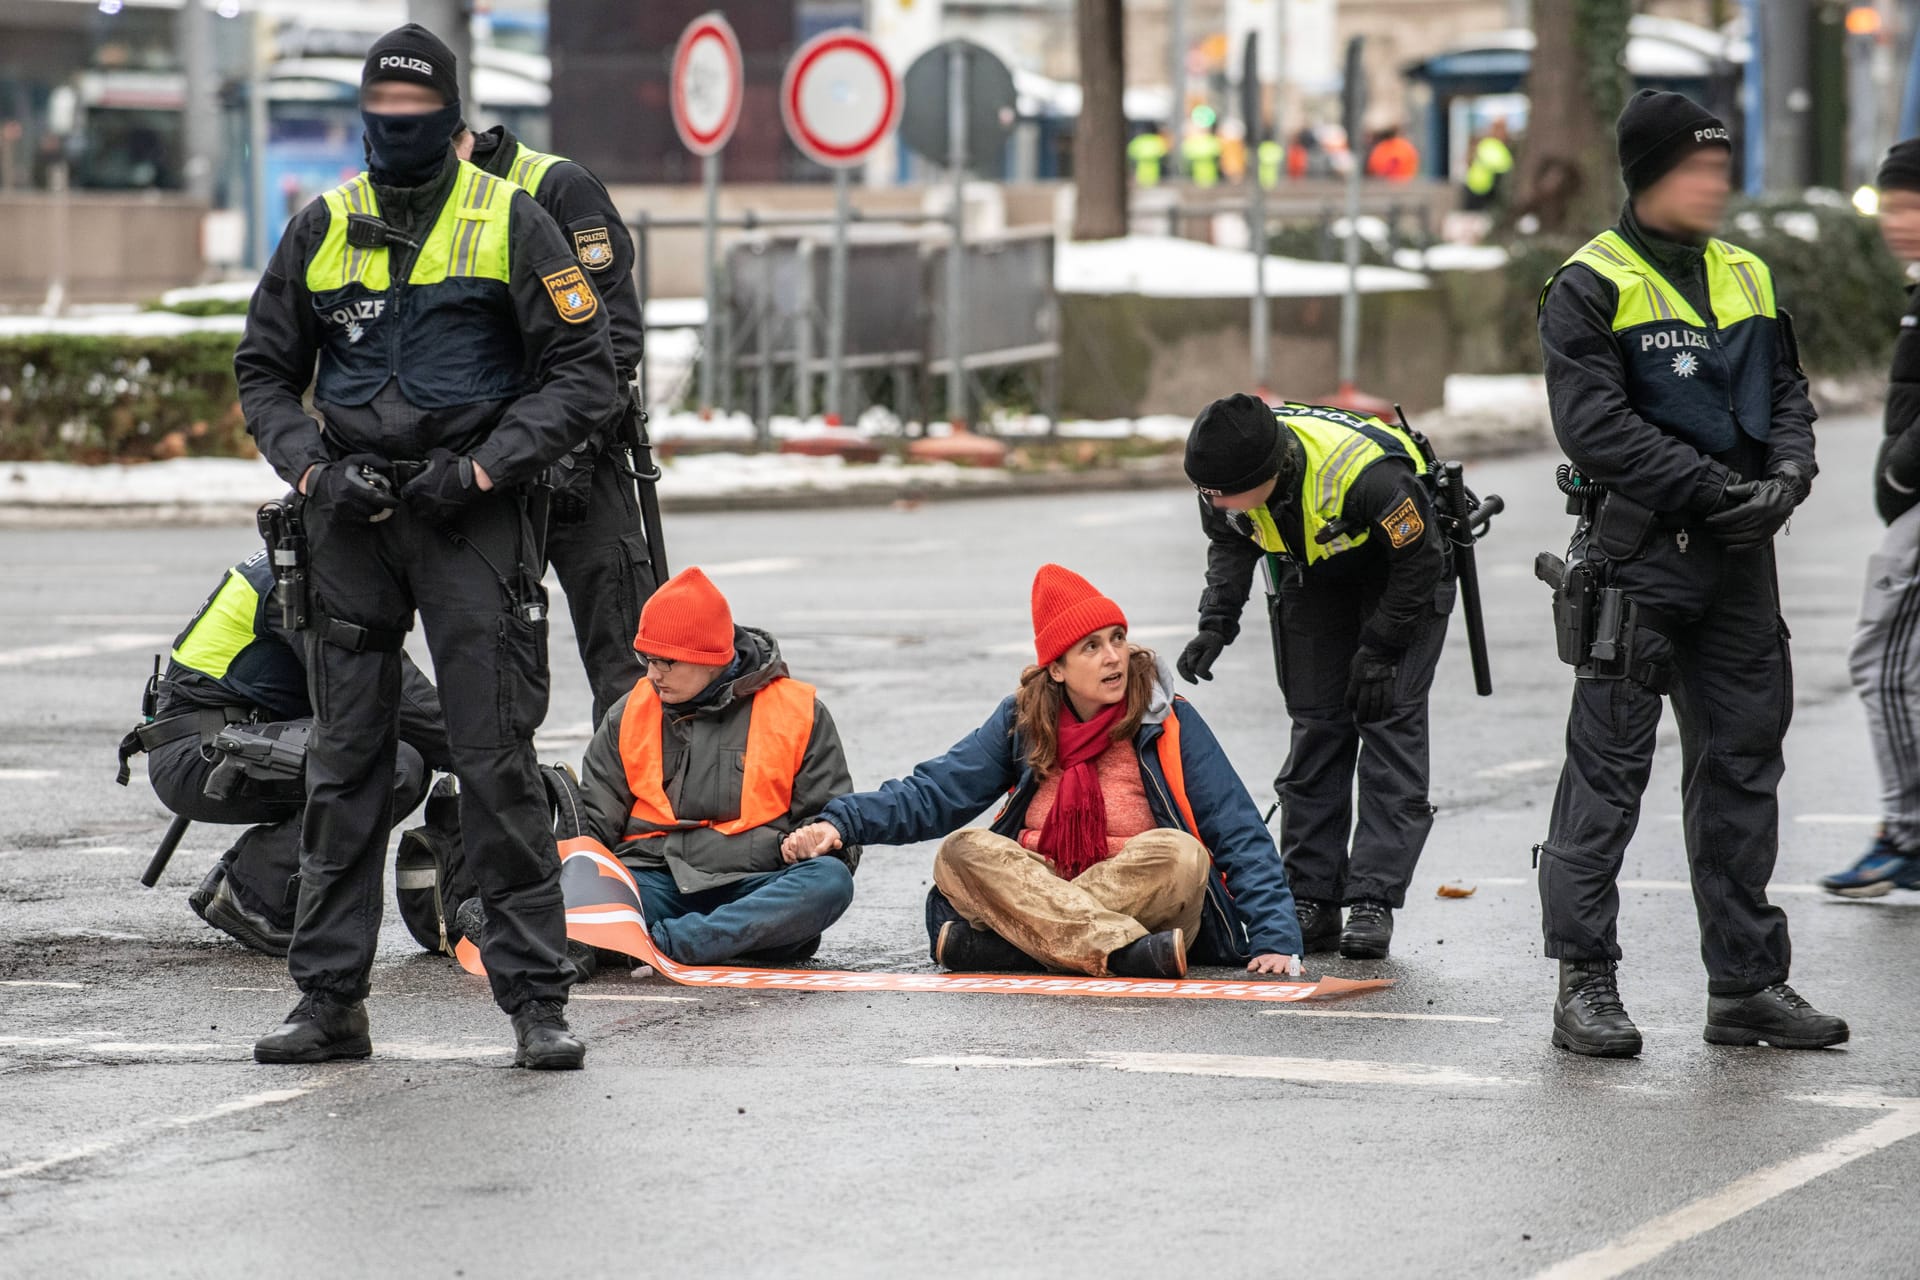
(1360, 584)
(1677, 393)
(236, 664)
(594, 543)
(461, 351)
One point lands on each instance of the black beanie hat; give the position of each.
(1900, 171)
(1658, 130)
(416, 55)
(1234, 446)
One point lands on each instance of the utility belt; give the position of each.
(204, 723)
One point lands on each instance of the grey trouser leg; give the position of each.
(1885, 662)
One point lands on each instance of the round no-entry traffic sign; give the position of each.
(708, 78)
(839, 98)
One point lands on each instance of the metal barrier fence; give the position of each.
(772, 323)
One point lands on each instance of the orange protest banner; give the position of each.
(603, 910)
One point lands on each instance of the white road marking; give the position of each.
(407, 1051)
(1245, 1067)
(28, 775)
(1516, 768)
(748, 568)
(1651, 1239)
(906, 615)
(100, 1146)
(30, 982)
(1386, 1017)
(627, 999)
(1838, 819)
(1669, 886)
(115, 643)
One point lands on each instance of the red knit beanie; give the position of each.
(1065, 608)
(687, 620)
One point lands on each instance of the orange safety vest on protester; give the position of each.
(1168, 748)
(777, 738)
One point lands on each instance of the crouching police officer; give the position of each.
(595, 543)
(1359, 592)
(461, 350)
(235, 681)
(1677, 394)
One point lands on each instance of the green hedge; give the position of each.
(68, 398)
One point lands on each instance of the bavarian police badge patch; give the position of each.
(594, 248)
(1404, 526)
(572, 296)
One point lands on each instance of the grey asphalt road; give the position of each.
(1429, 1130)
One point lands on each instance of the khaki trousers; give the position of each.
(1157, 881)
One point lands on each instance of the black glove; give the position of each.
(1370, 683)
(353, 488)
(572, 481)
(440, 491)
(1196, 660)
(1759, 509)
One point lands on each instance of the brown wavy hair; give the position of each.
(1037, 708)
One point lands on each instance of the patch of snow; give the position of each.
(1164, 267)
(1452, 257)
(225, 291)
(1504, 395)
(125, 324)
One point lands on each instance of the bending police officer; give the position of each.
(236, 664)
(1335, 507)
(594, 540)
(1676, 391)
(461, 350)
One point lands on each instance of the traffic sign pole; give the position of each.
(709, 356)
(840, 100)
(837, 298)
(708, 76)
(956, 275)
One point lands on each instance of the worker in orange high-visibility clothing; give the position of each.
(1392, 156)
(696, 777)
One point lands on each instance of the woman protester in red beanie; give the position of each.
(694, 778)
(1128, 845)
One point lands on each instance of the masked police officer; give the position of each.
(1360, 588)
(1676, 392)
(594, 542)
(461, 351)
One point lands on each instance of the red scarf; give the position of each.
(1075, 836)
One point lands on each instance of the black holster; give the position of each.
(1600, 631)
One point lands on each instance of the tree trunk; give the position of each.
(1568, 167)
(1100, 138)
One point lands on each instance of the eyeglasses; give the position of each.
(665, 664)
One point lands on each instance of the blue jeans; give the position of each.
(770, 912)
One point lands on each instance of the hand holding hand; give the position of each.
(810, 841)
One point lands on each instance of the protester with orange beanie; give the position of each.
(1129, 844)
(696, 776)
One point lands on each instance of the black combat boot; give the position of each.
(320, 1029)
(201, 896)
(1369, 931)
(1158, 955)
(543, 1041)
(965, 949)
(249, 928)
(1775, 1015)
(1319, 924)
(1588, 1017)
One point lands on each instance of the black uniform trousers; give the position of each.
(1328, 856)
(491, 667)
(602, 563)
(263, 866)
(1732, 688)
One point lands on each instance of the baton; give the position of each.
(163, 854)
